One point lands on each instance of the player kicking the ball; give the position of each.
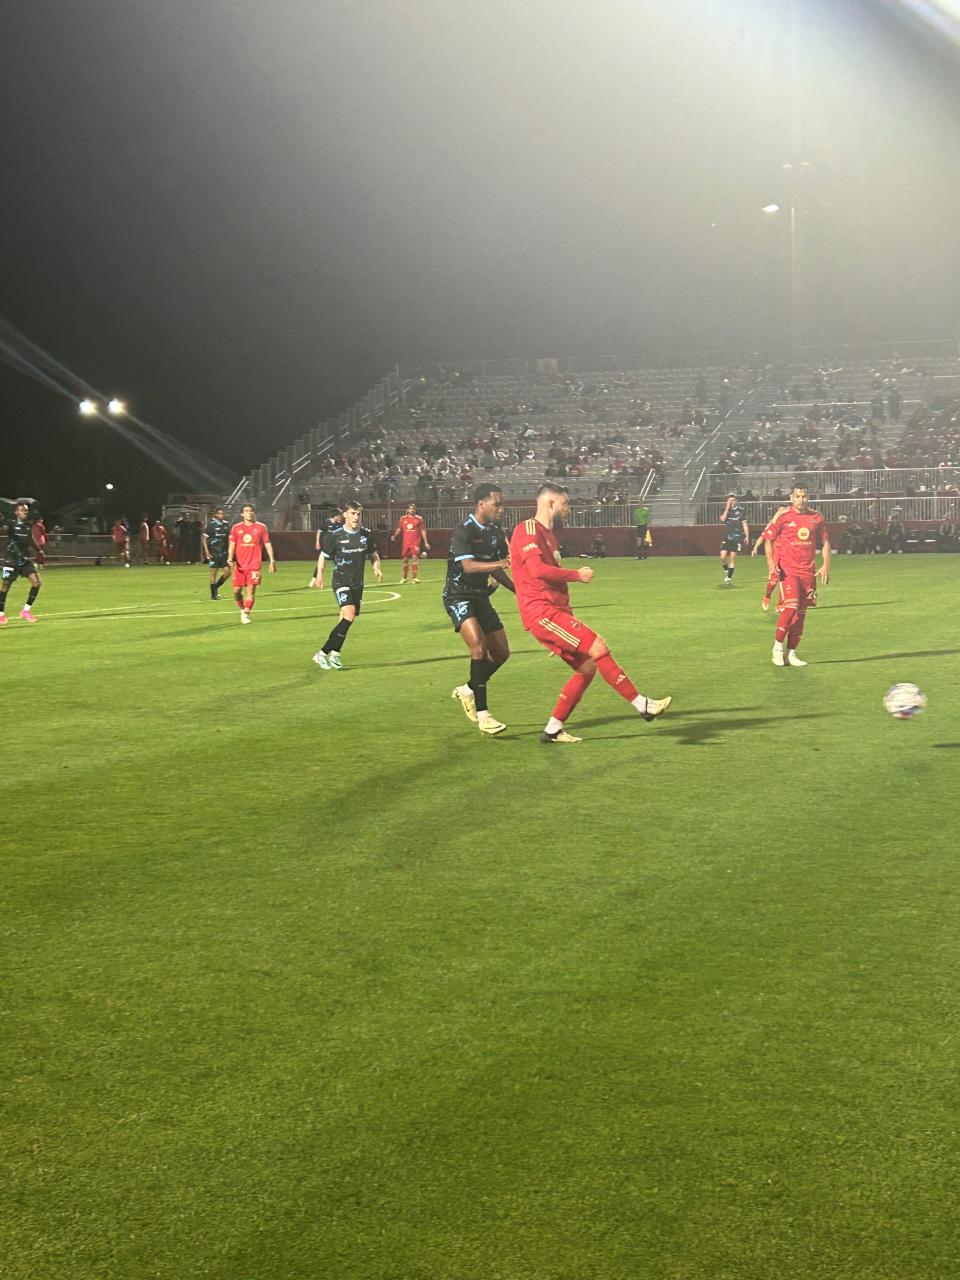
(543, 600)
(414, 530)
(245, 556)
(349, 548)
(18, 562)
(478, 551)
(791, 540)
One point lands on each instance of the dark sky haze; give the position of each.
(239, 215)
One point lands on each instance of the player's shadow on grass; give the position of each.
(945, 746)
(419, 662)
(865, 604)
(890, 657)
(698, 733)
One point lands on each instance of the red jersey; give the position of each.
(249, 540)
(537, 574)
(159, 533)
(411, 527)
(795, 537)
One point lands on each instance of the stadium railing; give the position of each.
(583, 515)
(890, 480)
(857, 510)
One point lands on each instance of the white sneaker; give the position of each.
(322, 660)
(464, 695)
(416, 582)
(560, 736)
(655, 707)
(793, 660)
(489, 725)
(778, 659)
(335, 661)
(245, 616)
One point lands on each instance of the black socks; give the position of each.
(337, 637)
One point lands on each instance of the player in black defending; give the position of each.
(18, 562)
(736, 535)
(216, 541)
(478, 551)
(349, 547)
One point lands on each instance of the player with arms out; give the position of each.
(18, 562)
(736, 533)
(349, 548)
(216, 541)
(791, 540)
(773, 577)
(478, 551)
(544, 604)
(248, 539)
(413, 529)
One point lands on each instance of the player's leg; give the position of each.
(584, 669)
(332, 647)
(729, 567)
(619, 682)
(482, 666)
(787, 608)
(772, 579)
(793, 638)
(34, 580)
(7, 579)
(415, 565)
(404, 559)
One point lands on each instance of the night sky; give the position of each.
(238, 215)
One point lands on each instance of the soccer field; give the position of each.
(306, 978)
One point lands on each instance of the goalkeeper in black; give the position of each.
(349, 547)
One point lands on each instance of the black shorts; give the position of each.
(349, 595)
(13, 569)
(218, 560)
(461, 608)
(731, 544)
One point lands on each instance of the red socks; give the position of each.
(615, 677)
(785, 620)
(570, 694)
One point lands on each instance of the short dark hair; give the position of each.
(244, 507)
(352, 505)
(549, 486)
(483, 491)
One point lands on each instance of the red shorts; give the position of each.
(245, 578)
(798, 591)
(564, 635)
(410, 549)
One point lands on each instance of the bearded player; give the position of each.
(544, 604)
(791, 540)
(248, 539)
(414, 530)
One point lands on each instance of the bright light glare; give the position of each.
(770, 208)
(117, 407)
(108, 486)
(88, 408)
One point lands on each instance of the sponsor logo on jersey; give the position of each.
(803, 534)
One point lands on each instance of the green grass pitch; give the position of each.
(304, 978)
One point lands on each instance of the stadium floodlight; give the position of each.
(108, 486)
(117, 407)
(770, 208)
(88, 408)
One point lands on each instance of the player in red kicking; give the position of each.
(245, 556)
(544, 604)
(773, 576)
(413, 529)
(791, 540)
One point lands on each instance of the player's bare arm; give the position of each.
(504, 579)
(824, 570)
(484, 566)
(377, 570)
(585, 573)
(231, 553)
(273, 563)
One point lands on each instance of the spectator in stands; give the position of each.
(947, 534)
(896, 536)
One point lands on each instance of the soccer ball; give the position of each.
(904, 701)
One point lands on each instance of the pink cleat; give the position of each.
(3, 619)
(26, 615)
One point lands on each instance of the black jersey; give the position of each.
(473, 541)
(19, 540)
(349, 553)
(331, 524)
(734, 520)
(218, 535)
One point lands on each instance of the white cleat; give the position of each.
(655, 707)
(336, 662)
(489, 725)
(560, 736)
(245, 616)
(322, 660)
(778, 659)
(793, 660)
(464, 695)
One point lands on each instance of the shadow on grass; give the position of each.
(699, 733)
(945, 746)
(866, 604)
(447, 657)
(891, 657)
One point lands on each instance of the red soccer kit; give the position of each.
(411, 528)
(795, 537)
(542, 596)
(248, 540)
